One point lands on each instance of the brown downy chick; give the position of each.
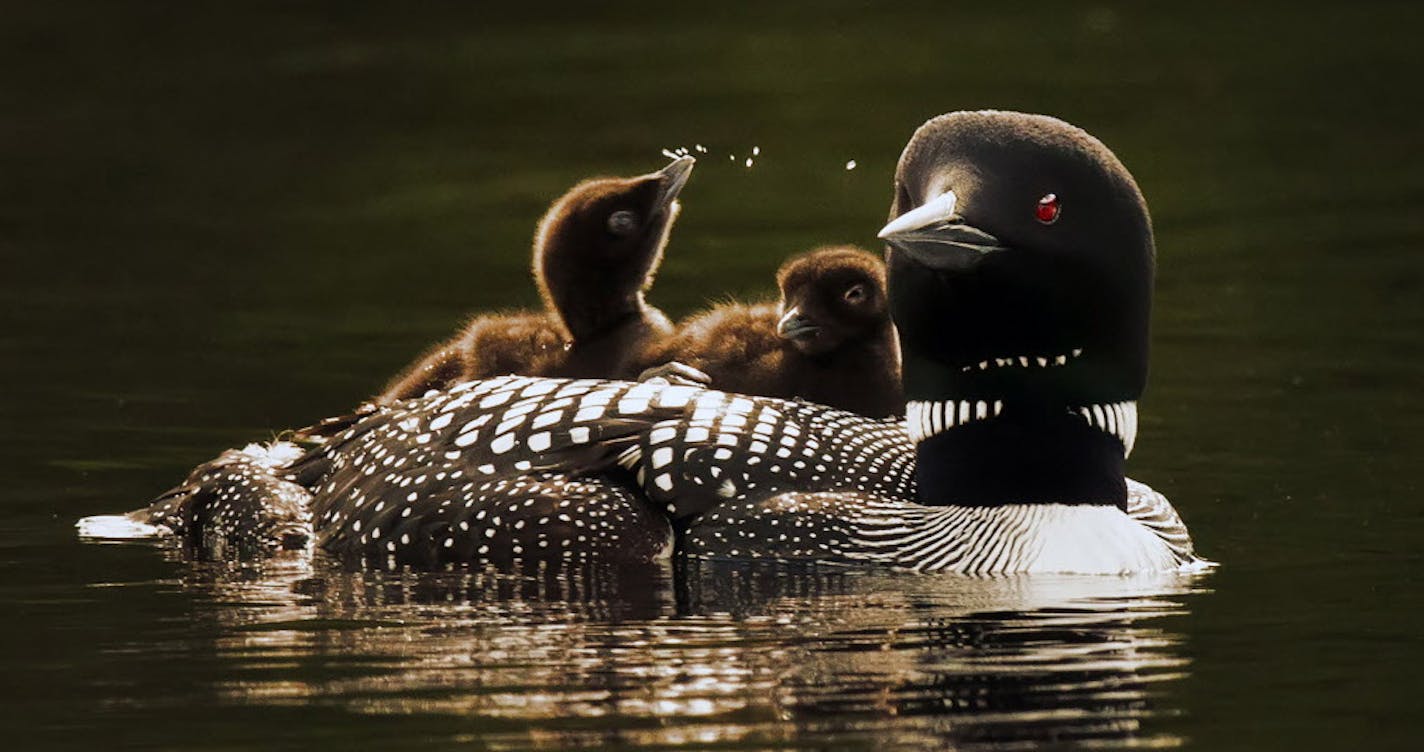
(595, 254)
(830, 339)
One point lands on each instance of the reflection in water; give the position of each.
(705, 653)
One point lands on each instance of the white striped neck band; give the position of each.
(928, 418)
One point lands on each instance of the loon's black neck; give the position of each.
(978, 450)
(1022, 456)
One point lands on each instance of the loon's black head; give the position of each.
(1020, 263)
(1020, 274)
(599, 245)
(831, 296)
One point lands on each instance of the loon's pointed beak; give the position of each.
(795, 325)
(937, 237)
(671, 180)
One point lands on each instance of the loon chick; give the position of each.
(595, 254)
(1020, 277)
(829, 340)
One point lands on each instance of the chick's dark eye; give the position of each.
(855, 294)
(623, 222)
(1048, 209)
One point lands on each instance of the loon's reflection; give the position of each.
(707, 653)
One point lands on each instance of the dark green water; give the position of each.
(220, 221)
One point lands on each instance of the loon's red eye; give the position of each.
(1047, 209)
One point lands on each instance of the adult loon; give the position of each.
(1020, 269)
(829, 340)
(595, 254)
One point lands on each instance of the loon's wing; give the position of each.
(450, 518)
(689, 449)
(486, 430)
(512, 467)
(448, 477)
(467, 472)
(734, 448)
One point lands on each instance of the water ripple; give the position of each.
(706, 654)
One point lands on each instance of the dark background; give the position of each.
(219, 220)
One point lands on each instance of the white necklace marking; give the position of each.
(926, 418)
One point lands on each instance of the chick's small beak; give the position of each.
(795, 325)
(671, 180)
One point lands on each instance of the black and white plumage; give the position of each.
(1020, 271)
(530, 468)
(238, 505)
(461, 475)
(449, 477)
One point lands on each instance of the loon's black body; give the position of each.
(654, 452)
(536, 468)
(1022, 380)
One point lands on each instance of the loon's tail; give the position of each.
(240, 504)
